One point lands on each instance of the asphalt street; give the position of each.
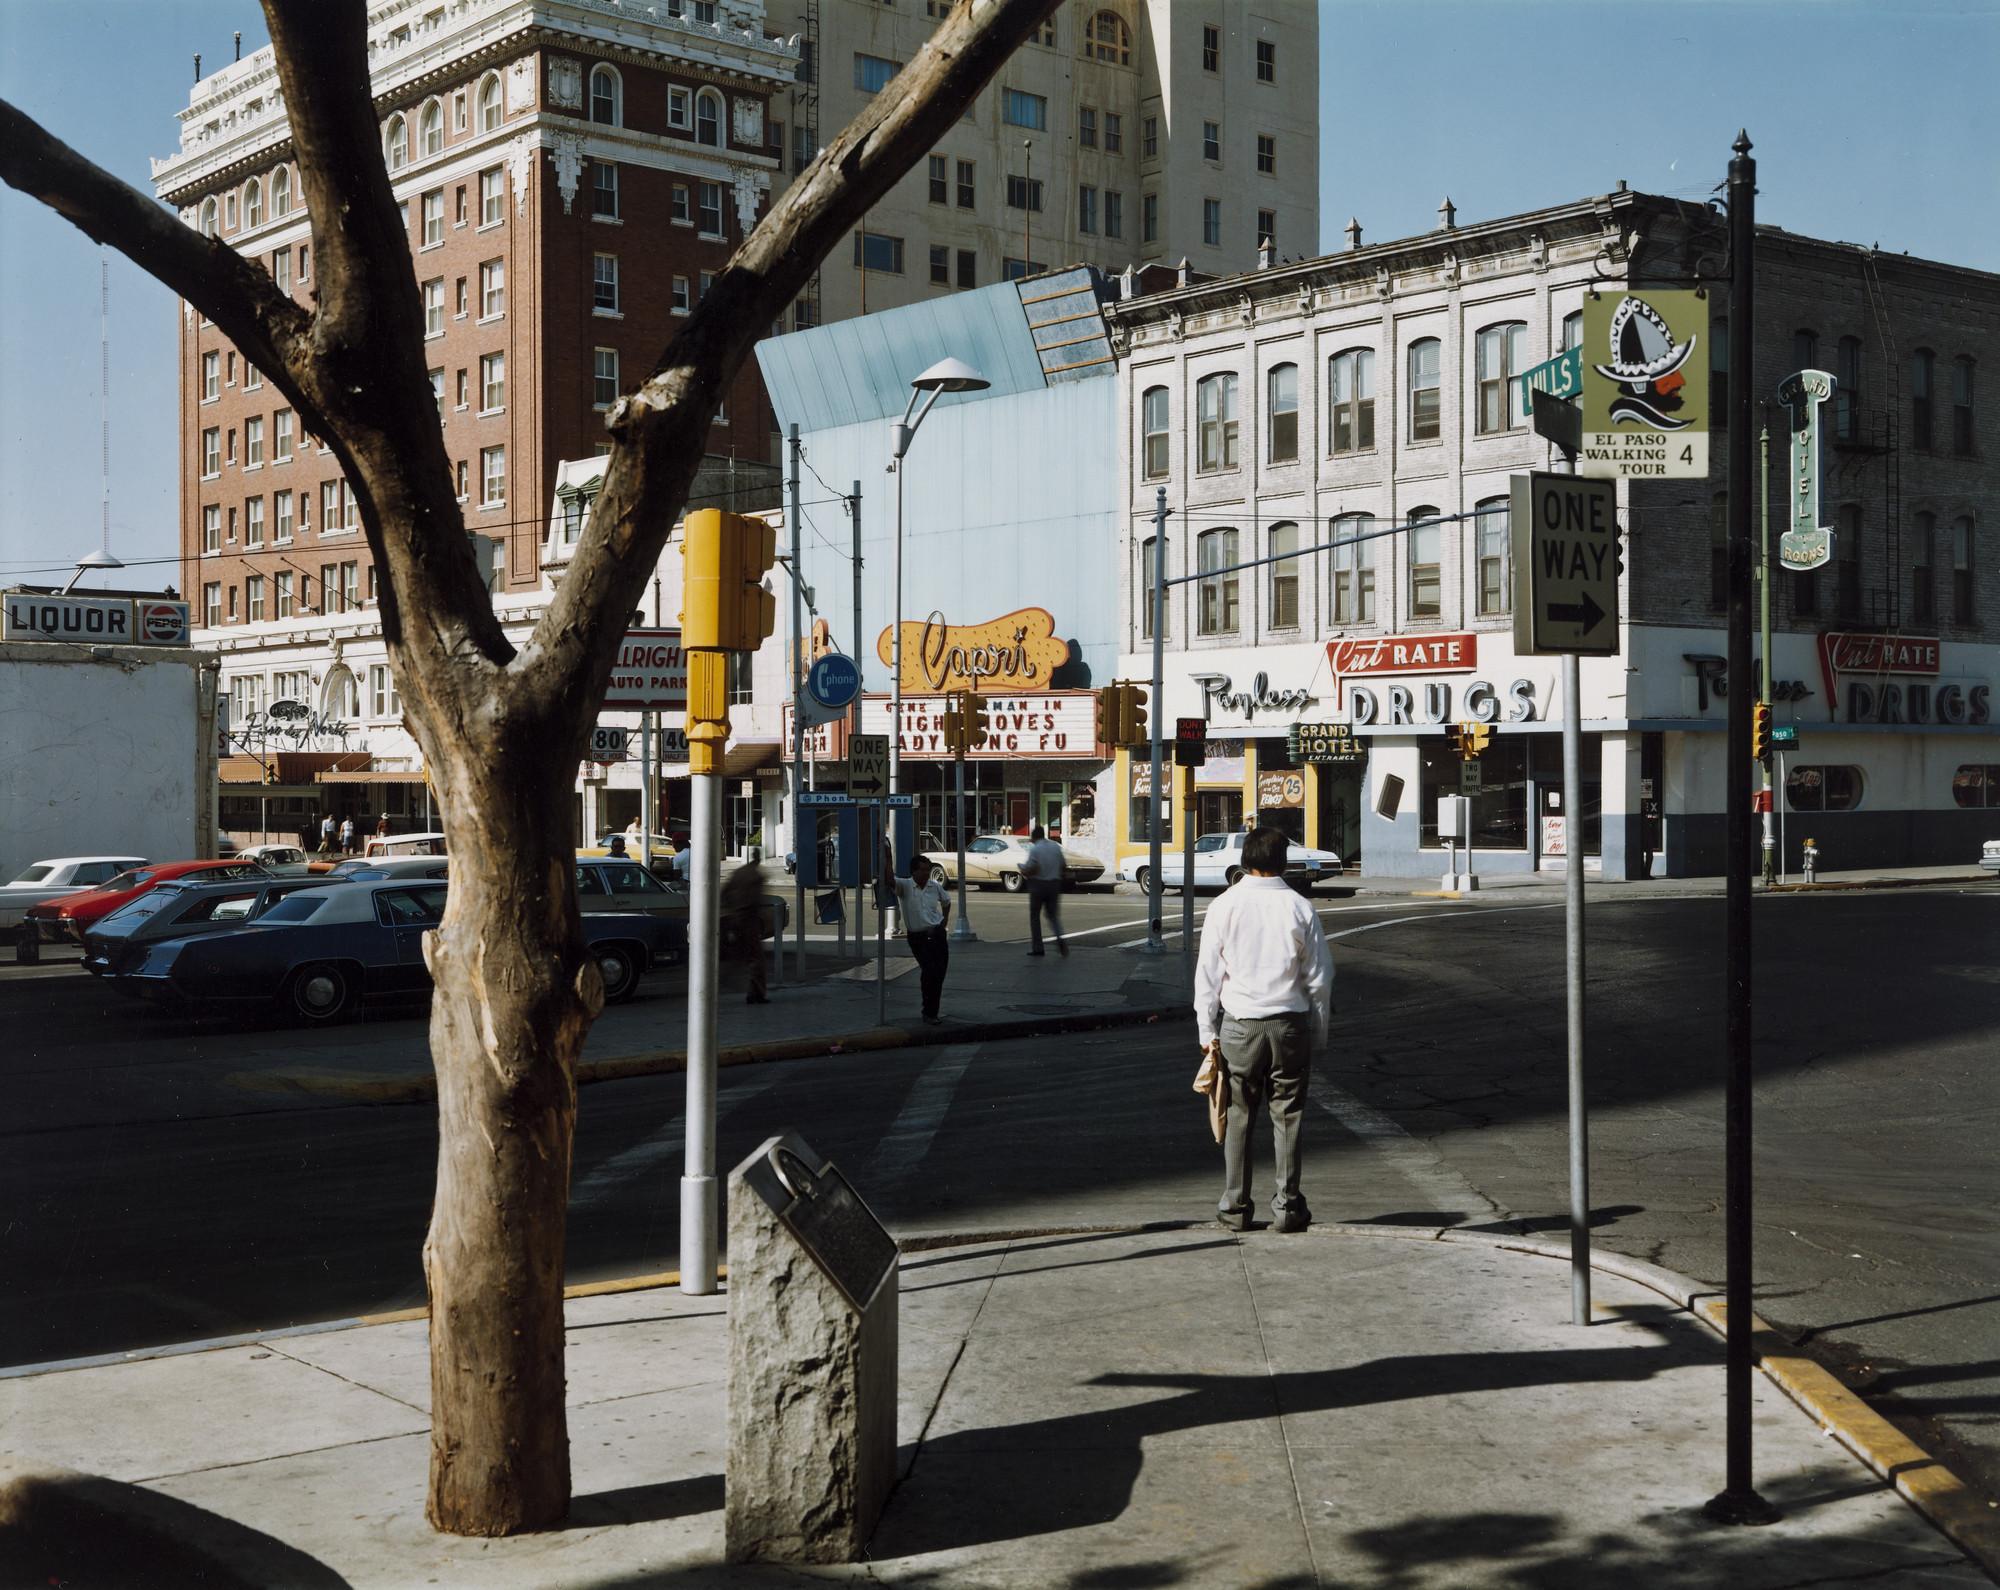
(1442, 1100)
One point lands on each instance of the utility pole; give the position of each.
(1738, 1502)
(724, 609)
(859, 648)
(1765, 668)
(1157, 802)
(800, 836)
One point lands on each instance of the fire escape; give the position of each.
(805, 140)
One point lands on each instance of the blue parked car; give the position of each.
(319, 954)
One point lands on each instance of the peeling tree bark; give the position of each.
(501, 731)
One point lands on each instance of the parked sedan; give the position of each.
(57, 877)
(183, 908)
(56, 920)
(321, 952)
(606, 883)
(375, 868)
(992, 859)
(284, 861)
(1989, 856)
(1218, 863)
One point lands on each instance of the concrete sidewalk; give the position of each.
(1135, 1408)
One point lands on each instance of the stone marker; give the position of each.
(812, 1361)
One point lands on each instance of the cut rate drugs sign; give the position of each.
(1645, 385)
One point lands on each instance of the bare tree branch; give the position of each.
(267, 326)
(661, 428)
(369, 343)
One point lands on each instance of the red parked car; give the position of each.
(54, 921)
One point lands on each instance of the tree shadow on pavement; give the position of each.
(64, 1528)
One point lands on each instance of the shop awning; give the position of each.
(372, 775)
(294, 767)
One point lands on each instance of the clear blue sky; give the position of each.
(1872, 123)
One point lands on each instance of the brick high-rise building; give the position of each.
(571, 172)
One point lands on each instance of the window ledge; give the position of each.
(251, 469)
(213, 475)
(493, 507)
(489, 320)
(434, 336)
(426, 248)
(608, 314)
(215, 397)
(211, 552)
(492, 226)
(486, 414)
(609, 220)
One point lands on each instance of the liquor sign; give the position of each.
(1324, 742)
(1805, 543)
(1058, 725)
(1017, 651)
(1402, 654)
(1645, 385)
(100, 619)
(650, 673)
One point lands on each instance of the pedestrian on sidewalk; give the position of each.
(1263, 995)
(1042, 866)
(347, 835)
(326, 829)
(741, 936)
(921, 902)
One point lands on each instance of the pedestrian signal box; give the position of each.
(1190, 742)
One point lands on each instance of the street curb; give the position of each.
(1873, 883)
(663, 1062)
(1953, 1509)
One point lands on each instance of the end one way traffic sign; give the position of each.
(1565, 534)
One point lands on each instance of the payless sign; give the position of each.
(1645, 385)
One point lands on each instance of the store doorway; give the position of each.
(1340, 811)
(1218, 811)
(1050, 801)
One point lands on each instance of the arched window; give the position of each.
(1353, 569)
(1153, 424)
(1923, 571)
(490, 113)
(1495, 554)
(208, 218)
(1961, 405)
(1847, 395)
(1350, 390)
(396, 143)
(430, 129)
(1149, 575)
(1961, 569)
(1847, 564)
(607, 96)
(281, 192)
(1281, 413)
(708, 118)
(1923, 382)
(253, 203)
(1215, 552)
(1425, 539)
(1107, 39)
(1501, 354)
(1425, 409)
(1805, 349)
(1284, 609)
(1215, 420)
(1572, 333)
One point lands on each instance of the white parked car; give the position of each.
(1989, 856)
(1218, 862)
(405, 845)
(286, 861)
(51, 880)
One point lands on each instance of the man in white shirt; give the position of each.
(921, 902)
(1042, 867)
(1263, 994)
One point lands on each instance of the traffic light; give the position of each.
(954, 728)
(1455, 732)
(724, 558)
(1760, 732)
(1476, 736)
(1132, 716)
(978, 723)
(1107, 713)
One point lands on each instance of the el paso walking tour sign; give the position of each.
(1645, 385)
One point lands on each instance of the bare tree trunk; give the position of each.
(516, 994)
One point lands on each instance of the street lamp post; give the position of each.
(947, 375)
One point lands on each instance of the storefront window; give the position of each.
(1499, 805)
(1976, 785)
(1281, 791)
(1546, 768)
(1139, 822)
(1834, 788)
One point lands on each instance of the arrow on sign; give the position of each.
(868, 786)
(1585, 613)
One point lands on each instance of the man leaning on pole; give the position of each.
(1263, 996)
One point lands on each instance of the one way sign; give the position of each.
(1565, 535)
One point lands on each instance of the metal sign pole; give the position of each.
(857, 647)
(646, 818)
(961, 930)
(800, 836)
(881, 927)
(1187, 873)
(1579, 1119)
(700, 1204)
(1738, 1501)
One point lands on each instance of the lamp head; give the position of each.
(951, 375)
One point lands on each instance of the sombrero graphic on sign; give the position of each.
(1645, 385)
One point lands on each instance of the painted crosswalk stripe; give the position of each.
(903, 1147)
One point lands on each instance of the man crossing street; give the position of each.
(1263, 995)
(1042, 867)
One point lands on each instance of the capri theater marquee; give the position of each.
(1350, 398)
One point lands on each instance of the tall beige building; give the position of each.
(1127, 131)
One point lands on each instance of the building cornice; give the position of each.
(235, 122)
